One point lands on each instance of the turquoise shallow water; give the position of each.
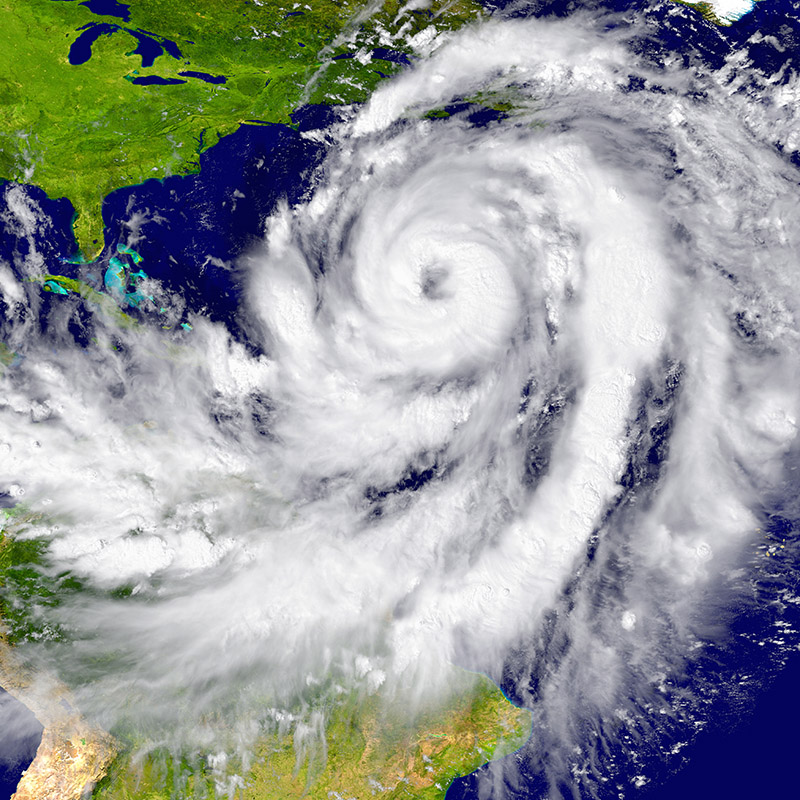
(743, 746)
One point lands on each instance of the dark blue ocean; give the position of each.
(20, 734)
(195, 227)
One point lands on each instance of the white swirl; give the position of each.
(500, 259)
(474, 339)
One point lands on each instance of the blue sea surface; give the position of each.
(20, 735)
(754, 759)
(192, 229)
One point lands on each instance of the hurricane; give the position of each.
(516, 393)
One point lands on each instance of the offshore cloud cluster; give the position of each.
(517, 397)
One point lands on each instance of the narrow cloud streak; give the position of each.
(498, 364)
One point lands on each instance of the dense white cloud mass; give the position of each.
(728, 11)
(555, 353)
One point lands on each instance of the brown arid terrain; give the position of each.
(73, 755)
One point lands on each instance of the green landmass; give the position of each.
(6, 357)
(81, 131)
(27, 587)
(371, 748)
(706, 9)
(125, 288)
(60, 284)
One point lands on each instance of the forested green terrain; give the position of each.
(82, 130)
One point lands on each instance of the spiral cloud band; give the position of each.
(526, 394)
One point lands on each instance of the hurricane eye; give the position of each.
(433, 282)
(470, 353)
